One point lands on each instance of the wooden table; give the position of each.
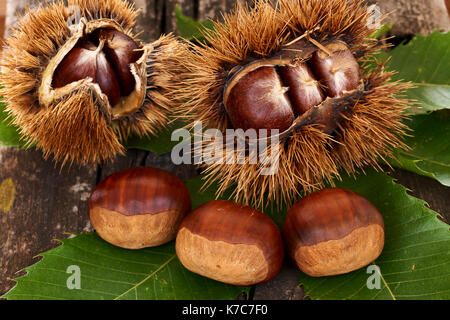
(49, 202)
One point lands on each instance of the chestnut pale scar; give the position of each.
(231, 243)
(137, 231)
(328, 258)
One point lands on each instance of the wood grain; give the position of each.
(283, 287)
(158, 16)
(414, 16)
(48, 202)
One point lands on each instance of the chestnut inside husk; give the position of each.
(272, 93)
(105, 56)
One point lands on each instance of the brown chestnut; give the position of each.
(139, 208)
(121, 51)
(274, 92)
(333, 231)
(338, 69)
(87, 60)
(230, 243)
(259, 101)
(304, 90)
(105, 56)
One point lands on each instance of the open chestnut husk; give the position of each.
(333, 231)
(79, 88)
(230, 243)
(139, 208)
(106, 57)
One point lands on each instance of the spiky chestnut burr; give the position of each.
(78, 90)
(301, 68)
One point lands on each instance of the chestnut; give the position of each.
(230, 243)
(304, 90)
(338, 69)
(105, 56)
(88, 60)
(139, 208)
(333, 231)
(272, 94)
(259, 101)
(122, 51)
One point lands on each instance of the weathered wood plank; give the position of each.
(184, 172)
(138, 158)
(412, 17)
(188, 8)
(47, 201)
(158, 16)
(215, 8)
(150, 21)
(283, 287)
(39, 202)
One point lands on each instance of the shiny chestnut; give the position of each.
(105, 56)
(333, 231)
(230, 243)
(139, 208)
(272, 93)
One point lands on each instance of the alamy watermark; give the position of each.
(374, 280)
(374, 20)
(75, 16)
(235, 146)
(74, 280)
